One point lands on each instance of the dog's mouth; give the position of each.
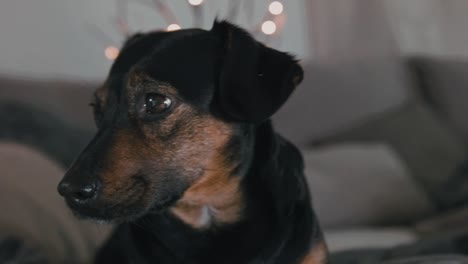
(138, 196)
(128, 211)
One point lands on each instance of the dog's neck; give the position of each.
(277, 224)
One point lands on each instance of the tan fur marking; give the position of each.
(214, 198)
(317, 255)
(101, 93)
(140, 80)
(189, 140)
(216, 195)
(116, 176)
(297, 80)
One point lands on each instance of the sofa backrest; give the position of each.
(443, 83)
(334, 96)
(68, 100)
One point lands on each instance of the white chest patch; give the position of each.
(206, 216)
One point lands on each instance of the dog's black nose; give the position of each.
(77, 193)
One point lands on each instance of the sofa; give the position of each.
(384, 139)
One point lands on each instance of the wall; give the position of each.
(58, 38)
(437, 27)
(358, 28)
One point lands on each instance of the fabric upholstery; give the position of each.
(431, 150)
(442, 249)
(67, 100)
(32, 209)
(444, 84)
(436, 259)
(374, 257)
(42, 130)
(354, 185)
(368, 238)
(450, 222)
(333, 96)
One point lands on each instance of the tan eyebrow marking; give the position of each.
(138, 79)
(101, 94)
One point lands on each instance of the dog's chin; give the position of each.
(109, 217)
(118, 214)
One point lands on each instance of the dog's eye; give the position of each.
(156, 103)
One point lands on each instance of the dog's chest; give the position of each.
(215, 199)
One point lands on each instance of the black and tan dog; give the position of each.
(186, 160)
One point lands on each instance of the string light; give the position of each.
(195, 2)
(111, 53)
(173, 27)
(269, 27)
(276, 8)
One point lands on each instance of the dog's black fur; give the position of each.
(137, 173)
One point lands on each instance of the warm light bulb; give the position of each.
(173, 27)
(195, 2)
(268, 27)
(276, 8)
(111, 53)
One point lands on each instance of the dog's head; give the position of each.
(172, 120)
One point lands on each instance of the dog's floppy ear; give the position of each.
(255, 80)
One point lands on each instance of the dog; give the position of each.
(186, 160)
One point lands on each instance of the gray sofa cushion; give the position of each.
(451, 222)
(431, 150)
(441, 249)
(68, 100)
(437, 259)
(333, 96)
(369, 238)
(37, 214)
(372, 257)
(444, 83)
(44, 131)
(354, 185)
(17, 251)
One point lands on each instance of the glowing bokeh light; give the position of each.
(269, 27)
(111, 53)
(195, 2)
(173, 27)
(276, 8)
